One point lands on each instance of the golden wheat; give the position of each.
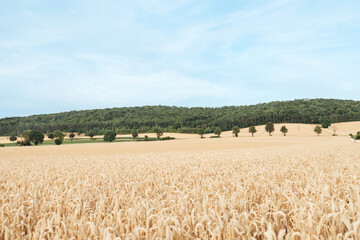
(105, 191)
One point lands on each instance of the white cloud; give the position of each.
(85, 55)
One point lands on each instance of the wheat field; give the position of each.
(230, 188)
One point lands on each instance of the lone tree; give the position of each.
(269, 127)
(217, 131)
(36, 137)
(13, 138)
(284, 130)
(71, 135)
(91, 135)
(109, 136)
(134, 133)
(252, 130)
(201, 132)
(58, 141)
(158, 132)
(236, 131)
(50, 135)
(318, 129)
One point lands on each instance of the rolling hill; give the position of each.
(187, 120)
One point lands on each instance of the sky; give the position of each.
(67, 55)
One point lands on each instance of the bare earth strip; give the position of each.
(228, 188)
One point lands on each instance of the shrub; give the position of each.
(357, 137)
(2, 145)
(71, 135)
(146, 138)
(58, 141)
(167, 138)
(24, 143)
(50, 135)
(13, 138)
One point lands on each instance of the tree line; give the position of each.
(29, 137)
(186, 120)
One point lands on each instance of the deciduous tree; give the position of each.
(318, 129)
(217, 131)
(158, 132)
(284, 130)
(109, 136)
(36, 137)
(134, 133)
(236, 131)
(269, 127)
(252, 130)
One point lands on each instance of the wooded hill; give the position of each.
(187, 120)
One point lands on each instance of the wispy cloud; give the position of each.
(87, 55)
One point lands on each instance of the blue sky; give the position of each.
(84, 54)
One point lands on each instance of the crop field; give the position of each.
(228, 188)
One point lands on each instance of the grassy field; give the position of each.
(226, 188)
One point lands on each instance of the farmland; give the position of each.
(293, 187)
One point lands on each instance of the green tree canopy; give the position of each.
(59, 135)
(13, 138)
(91, 134)
(269, 127)
(201, 132)
(284, 130)
(318, 129)
(236, 131)
(217, 131)
(36, 137)
(158, 132)
(71, 135)
(326, 122)
(97, 131)
(134, 133)
(183, 119)
(252, 130)
(109, 136)
(50, 135)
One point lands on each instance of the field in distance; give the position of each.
(293, 187)
(295, 129)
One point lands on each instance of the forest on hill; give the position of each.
(187, 120)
